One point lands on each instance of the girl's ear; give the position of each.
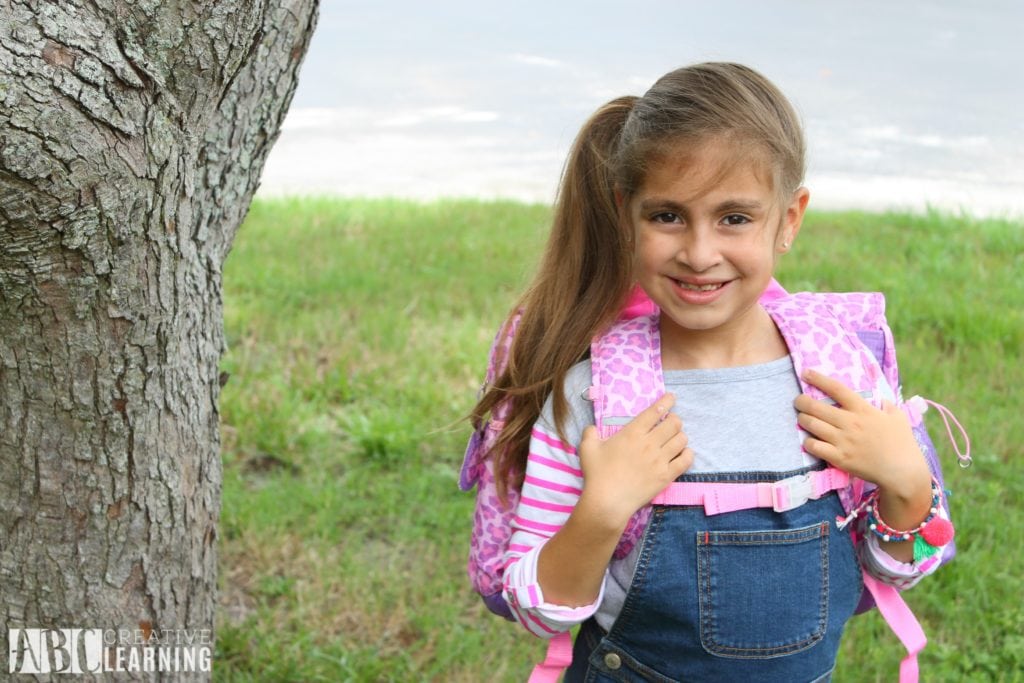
(793, 219)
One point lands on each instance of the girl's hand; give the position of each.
(623, 473)
(875, 445)
(620, 475)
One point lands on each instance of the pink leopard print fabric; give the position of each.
(626, 362)
(492, 529)
(819, 329)
(492, 521)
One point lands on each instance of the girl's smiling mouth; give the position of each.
(699, 285)
(692, 291)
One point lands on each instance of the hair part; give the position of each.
(690, 106)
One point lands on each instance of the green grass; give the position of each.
(358, 333)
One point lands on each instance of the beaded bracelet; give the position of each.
(929, 536)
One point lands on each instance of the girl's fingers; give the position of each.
(823, 450)
(650, 417)
(681, 462)
(836, 390)
(676, 445)
(821, 429)
(667, 429)
(821, 410)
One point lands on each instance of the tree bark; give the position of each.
(132, 138)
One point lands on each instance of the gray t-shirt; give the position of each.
(725, 411)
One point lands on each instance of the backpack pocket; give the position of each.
(763, 594)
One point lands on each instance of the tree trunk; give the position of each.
(132, 138)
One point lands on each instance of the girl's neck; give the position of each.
(751, 340)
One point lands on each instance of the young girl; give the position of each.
(691, 192)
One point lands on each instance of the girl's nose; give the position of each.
(699, 251)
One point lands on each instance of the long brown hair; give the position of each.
(586, 271)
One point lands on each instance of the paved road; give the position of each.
(906, 104)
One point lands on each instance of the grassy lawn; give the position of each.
(358, 333)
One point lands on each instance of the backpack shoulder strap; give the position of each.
(864, 313)
(625, 362)
(823, 332)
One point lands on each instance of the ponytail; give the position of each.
(583, 281)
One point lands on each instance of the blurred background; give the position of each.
(907, 105)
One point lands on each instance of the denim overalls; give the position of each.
(752, 595)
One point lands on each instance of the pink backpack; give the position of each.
(843, 335)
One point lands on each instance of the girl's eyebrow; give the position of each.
(738, 205)
(655, 203)
(659, 204)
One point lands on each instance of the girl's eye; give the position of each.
(735, 219)
(666, 217)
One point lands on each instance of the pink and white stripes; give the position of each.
(551, 489)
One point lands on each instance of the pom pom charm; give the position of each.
(937, 531)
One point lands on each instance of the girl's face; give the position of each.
(708, 233)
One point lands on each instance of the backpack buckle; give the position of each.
(792, 492)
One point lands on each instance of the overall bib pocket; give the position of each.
(762, 594)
